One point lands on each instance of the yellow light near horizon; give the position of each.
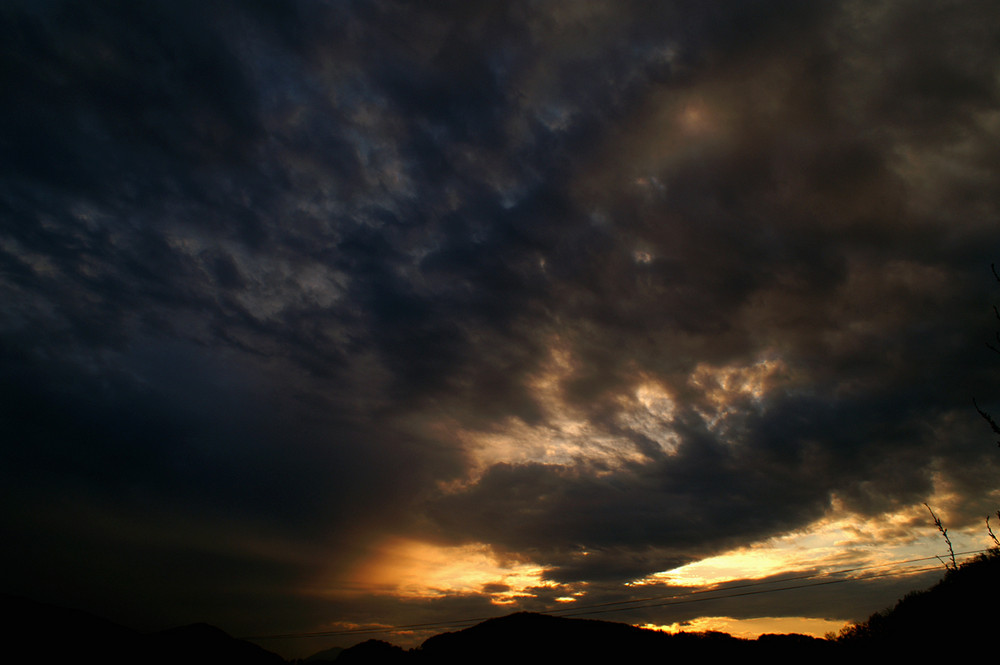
(755, 627)
(841, 542)
(823, 547)
(742, 564)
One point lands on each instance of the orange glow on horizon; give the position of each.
(408, 568)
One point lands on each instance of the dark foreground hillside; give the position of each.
(959, 613)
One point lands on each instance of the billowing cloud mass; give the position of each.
(301, 301)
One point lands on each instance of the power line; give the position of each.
(601, 608)
(722, 593)
(684, 600)
(783, 580)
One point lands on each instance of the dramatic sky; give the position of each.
(317, 315)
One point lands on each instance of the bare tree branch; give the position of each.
(989, 529)
(944, 532)
(988, 418)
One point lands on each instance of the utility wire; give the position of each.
(723, 587)
(722, 591)
(684, 600)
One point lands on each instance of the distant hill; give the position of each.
(324, 656)
(375, 651)
(201, 644)
(42, 634)
(529, 638)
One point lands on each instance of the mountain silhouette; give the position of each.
(324, 656)
(374, 651)
(529, 638)
(202, 644)
(42, 633)
(538, 637)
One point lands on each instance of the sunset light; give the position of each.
(412, 569)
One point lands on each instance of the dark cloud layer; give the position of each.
(260, 263)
